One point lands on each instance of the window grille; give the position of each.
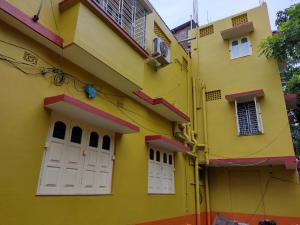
(247, 118)
(238, 20)
(206, 31)
(213, 95)
(130, 15)
(159, 33)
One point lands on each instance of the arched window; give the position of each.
(151, 154)
(76, 135)
(235, 52)
(59, 130)
(106, 143)
(165, 158)
(170, 159)
(245, 46)
(94, 139)
(157, 156)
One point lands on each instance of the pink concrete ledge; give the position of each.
(163, 107)
(165, 143)
(75, 108)
(26, 21)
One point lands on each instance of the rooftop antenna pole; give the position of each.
(195, 11)
(207, 19)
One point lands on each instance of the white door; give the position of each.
(77, 160)
(98, 163)
(151, 172)
(165, 174)
(171, 169)
(70, 178)
(158, 172)
(53, 158)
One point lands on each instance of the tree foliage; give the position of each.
(284, 46)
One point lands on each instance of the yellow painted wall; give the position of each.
(25, 122)
(257, 190)
(213, 66)
(24, 126)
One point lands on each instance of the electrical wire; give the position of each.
(261, 149)
(28, 50)
(60, 78)
(265, 191)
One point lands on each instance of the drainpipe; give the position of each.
(195, 105)
(208, 219)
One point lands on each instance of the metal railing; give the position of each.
(130, 15)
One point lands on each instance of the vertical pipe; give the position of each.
(197, 190)
(208, 219)
(195, 125)
(205, 123)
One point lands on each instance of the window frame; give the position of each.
(258, 117)
(162, 165)
(239, 40)
(87, 129)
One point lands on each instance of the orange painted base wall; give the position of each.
(241, 217)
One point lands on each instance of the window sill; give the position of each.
(247, 135)
(243, 56)
(161, 193)
(64, 195)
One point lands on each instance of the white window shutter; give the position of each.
(259, 117)
(237, 117)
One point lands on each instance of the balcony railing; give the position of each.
(130, 15)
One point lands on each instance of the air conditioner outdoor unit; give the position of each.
(161, 52)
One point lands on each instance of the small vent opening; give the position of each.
(238, 20)
(213, 95)
(206, 31)
(159, 33)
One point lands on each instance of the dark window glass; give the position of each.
(94, 139)
(157, 156)
(170, 159)
(106, 143)
(151, 156)
(76, 135)
(165, 158)
(59, 130)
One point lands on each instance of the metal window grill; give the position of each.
(238, 20)
(130, 15)
(206, 31)
(247, 118)
(213, 95)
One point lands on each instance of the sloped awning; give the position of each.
(290, 162)
(75, 108)
(24, 23)
(237, 31)
(165, 143)
(162, 107)
(244, 96)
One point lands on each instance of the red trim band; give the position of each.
(289, 161)
(27, 21)
(162, 101)
(90, 109)
(162, 140)
(254, 93)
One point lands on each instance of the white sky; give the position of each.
(177, 12)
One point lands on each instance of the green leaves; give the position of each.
(285, 45)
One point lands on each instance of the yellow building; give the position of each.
(105, 119)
